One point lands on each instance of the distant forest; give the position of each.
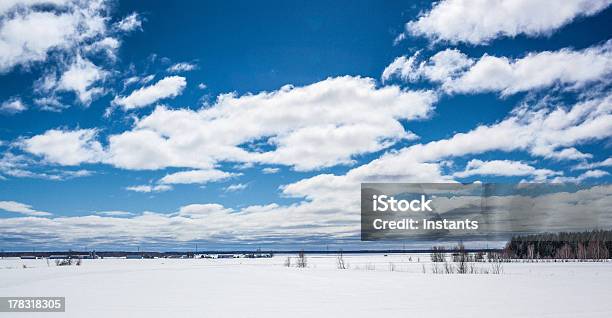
(565, 245)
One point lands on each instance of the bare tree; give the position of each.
(437, 254)
(460, 256)
(287, 262)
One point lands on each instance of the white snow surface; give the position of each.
(265, 288)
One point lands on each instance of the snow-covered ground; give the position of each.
(265, 288)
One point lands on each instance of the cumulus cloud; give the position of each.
(310, 127)
(478, 22)
(458, 73)
(167, 87)
(182, 67)
(197, 176)
(65, 36)
(80, 77)
(297, 223)
(12, 106)
(506, 168)
(345, 117)
(546, 132)
(21, 208)
(149, 188)
(65, 147)
(201, 221)
(28, 35)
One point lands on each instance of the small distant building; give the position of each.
(225, 256)
(28, 257)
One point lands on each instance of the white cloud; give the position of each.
(504, 168)
(590, 174)
(149, 188)
(273, 223)
(137, 79)
(204, 221)
(182, 67)
(269, 170)
(585, 166)
(202, 86)
(80, 77)
(130, 23)
(309, 127)
(108, 45)
(21, 166)
(197, 176)
(13, 106)
(236, 187)
(440, 67)
(543, 133)
(65, 147)
(65, 35)
(50, 103)
(202, 210)
(28, 35)
(21, 208)
(478, 22)
(457, 73)
(115, 213)
(167, 87)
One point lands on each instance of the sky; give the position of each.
(241, 124)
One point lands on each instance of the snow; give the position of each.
(265, 288)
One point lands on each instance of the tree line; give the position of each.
(596, 244)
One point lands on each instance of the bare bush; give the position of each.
(287, 262)
(340, 262)
(437, 254)
(63, 262)
(301, 260)
(497, 268)
(435, 268)
(448, 268)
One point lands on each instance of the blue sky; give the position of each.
(126, 123)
